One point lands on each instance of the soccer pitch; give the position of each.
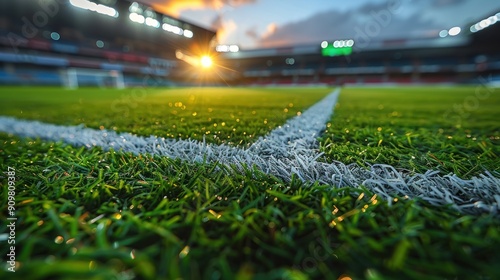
(252, 183)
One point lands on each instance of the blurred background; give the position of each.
(113, 43)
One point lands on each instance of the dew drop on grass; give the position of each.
(184, 252)
(59, 239)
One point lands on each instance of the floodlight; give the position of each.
(177, 30)
(234, 48)
(137, 18)
(91, 6)
(222, 48)
(454, 31)
(324, 44)
(166, 27)
(152, 22)
(206, 61)
(188, 33)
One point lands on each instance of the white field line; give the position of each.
(298, 135)
(285, 151)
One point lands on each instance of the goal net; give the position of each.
(77, 77)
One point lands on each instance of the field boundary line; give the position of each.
(286, 151)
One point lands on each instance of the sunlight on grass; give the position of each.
(416, 129)
(94, 214)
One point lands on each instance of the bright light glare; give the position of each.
(206, 61)
(454, 31)
(91, 6)
(324, 44)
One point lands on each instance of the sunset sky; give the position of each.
(271, 23)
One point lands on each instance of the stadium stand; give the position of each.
(40, 41)
(461, 59)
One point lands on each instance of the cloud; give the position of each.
(175, 7)
(369, 22)
(252, 33)
(271, 29)
(256, 37)
(224, 27)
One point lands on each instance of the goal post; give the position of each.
(74, 78)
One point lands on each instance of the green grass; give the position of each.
(221, 115)
(93, 214)
(455, 130)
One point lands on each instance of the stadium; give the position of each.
(136, 145)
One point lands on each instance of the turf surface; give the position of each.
(93, 214)
(454, 130)
(220, 115)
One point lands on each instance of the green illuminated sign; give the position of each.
(333, 51)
